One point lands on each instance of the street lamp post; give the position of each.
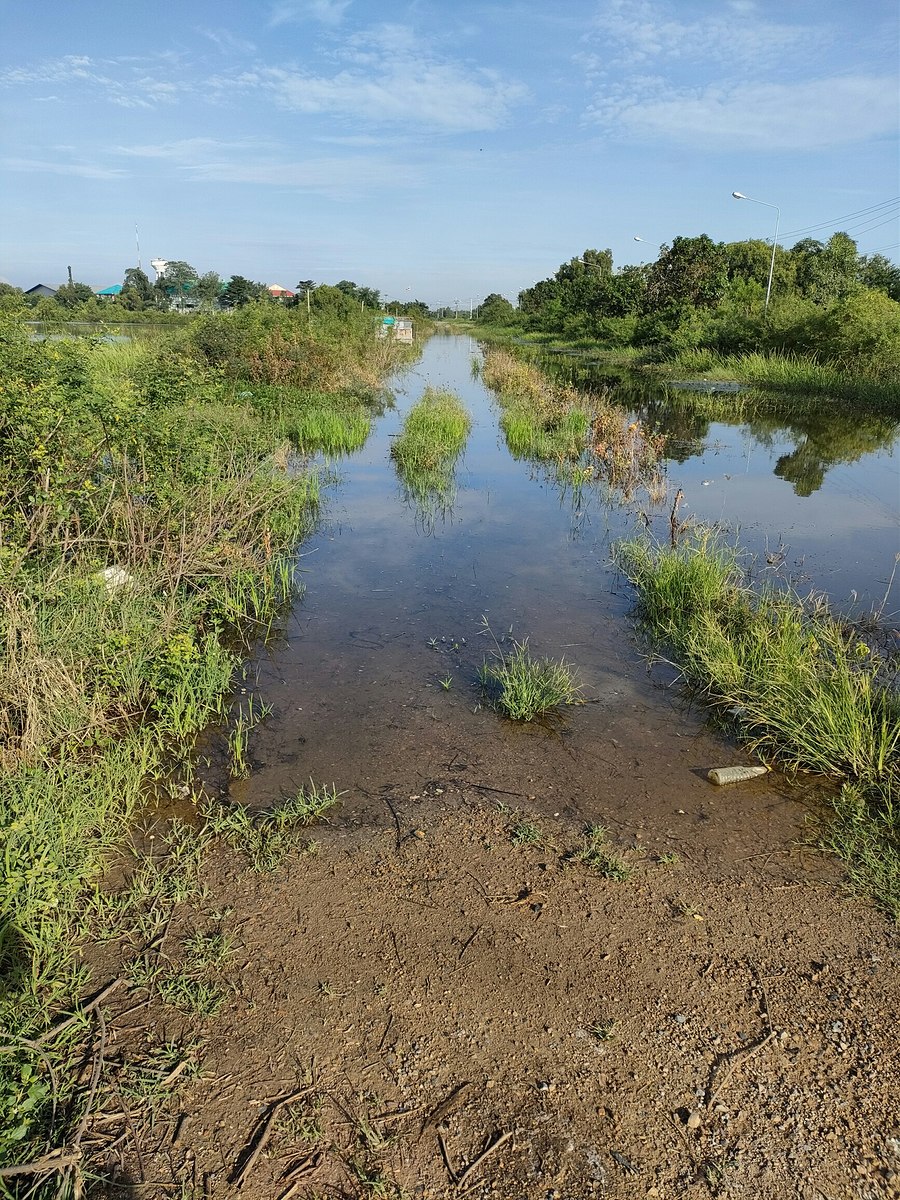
(644, 240)
(741, 196)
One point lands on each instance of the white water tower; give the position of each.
(159, 266)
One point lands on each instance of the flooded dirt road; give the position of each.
(448, 998)
(394, 605)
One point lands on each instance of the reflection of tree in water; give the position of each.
(685, 429)
(823, 436)
(827, 441)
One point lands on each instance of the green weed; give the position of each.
(526, 833)
(268, 835)
(595, 852)
(523, 687)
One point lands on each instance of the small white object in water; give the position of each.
(707, 482)
(735, 774)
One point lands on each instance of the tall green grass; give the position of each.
(523, 687)
(799, 685)
(793, 374)
(177, 466)
(578, 436)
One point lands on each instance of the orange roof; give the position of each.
(277, 290)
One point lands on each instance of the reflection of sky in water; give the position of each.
(509, 521)
(841, 538)
(394, 605)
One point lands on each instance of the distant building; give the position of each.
(277, 292)
(110, 293)
(41, 290)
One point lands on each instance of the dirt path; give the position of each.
(458, 1014)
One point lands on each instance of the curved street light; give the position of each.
(741, 196)
(640, 239)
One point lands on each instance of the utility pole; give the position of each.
(138, 243)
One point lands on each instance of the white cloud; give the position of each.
(106, 79)
(811, 115)
(46, 167)
(382, 76)
(270, 165)
(391, 77)
(328, 12)
(646, 34)
(225, 41)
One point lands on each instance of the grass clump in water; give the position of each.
(523, 687)
(433, 437)
(798, 684)
(579, 437)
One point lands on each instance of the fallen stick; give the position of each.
(56, 1160)
(445, 1108)
(260, 1136)
(97, 1000)
(445, 1155)
(488, 1150)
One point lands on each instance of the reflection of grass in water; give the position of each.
(434, 435)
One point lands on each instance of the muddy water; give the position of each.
(394, 604)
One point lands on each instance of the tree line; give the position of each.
(181, 288)
(826, 297)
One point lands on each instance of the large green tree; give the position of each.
(177, 282)
(879, 274)
(496, 310)
(70, 295)
(692, 271)
(826, 272)
(137, 290)
(208, 288)
(240, 291)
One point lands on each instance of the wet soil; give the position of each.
(453, 1013)
(720, 1023)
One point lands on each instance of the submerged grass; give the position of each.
(433, 437)
(798, 684)
(268, 835)
(579, 437)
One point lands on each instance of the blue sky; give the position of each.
(433, 149)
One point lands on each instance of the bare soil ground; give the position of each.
(444, 1012)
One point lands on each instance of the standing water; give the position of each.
(373, 685)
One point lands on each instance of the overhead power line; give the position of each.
(864, 214)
